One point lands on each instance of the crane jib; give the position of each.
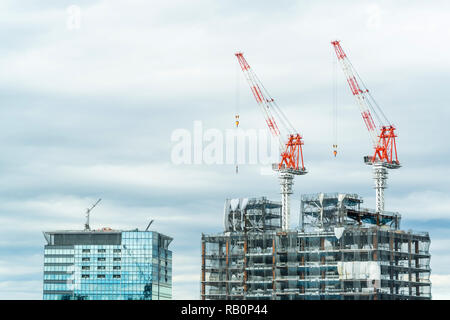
(257, 93)
(274, 116)
(368, 121)
(384, 142)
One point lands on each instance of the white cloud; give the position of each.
(21, 290)
(423, 205)
(88, 113)
(440, 286)
(7, 271)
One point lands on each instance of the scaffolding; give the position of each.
(340, 251)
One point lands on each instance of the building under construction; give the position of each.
(339, 251)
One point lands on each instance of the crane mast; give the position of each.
(384, 144)
(290, 141)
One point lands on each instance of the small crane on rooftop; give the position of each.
(88, 211)
(148, 226)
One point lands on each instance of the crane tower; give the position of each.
(385, 147)
(290, 141)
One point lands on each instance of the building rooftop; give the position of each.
(104, 236)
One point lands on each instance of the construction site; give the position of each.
(339, 250)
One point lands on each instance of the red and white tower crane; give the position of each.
(382, 134)
(290, 141)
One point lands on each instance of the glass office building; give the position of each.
(107, 265)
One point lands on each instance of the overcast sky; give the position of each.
(88, 107)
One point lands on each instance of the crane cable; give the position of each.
(385, 120)
(335, 103)
(287, 125)
(237, 109)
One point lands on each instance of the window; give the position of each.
(85, 268)
(101, 250)
(116, 276)
(116, 268)
(86, 250)
(117, 250)
(85, 259)
(101, 276)
(116, 259)
(85, 276)
(101, 259)
(101, 268)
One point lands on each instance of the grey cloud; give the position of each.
(89, 113)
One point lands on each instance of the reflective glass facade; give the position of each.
(107, 265)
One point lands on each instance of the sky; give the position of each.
(91, 93)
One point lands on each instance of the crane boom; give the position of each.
(290, 141)
(263, 101)
(384, 144)
(359, 94)
(277, 122)
(88, 212)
